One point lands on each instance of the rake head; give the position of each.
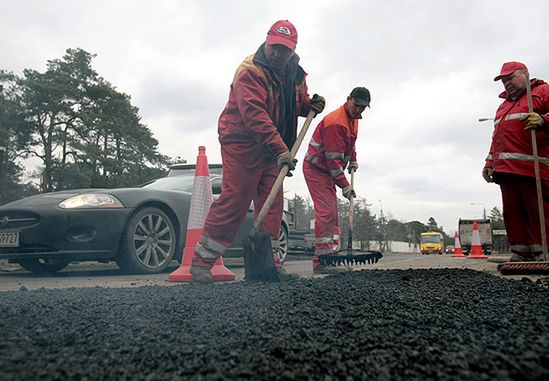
(524, 268)
(350, 259)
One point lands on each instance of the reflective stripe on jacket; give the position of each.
(511, 148)
(253, 126)
(332, 145)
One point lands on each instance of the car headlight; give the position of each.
(90, 201)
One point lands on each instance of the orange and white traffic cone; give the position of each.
(201, 200)
(457, 247)
(476, 247)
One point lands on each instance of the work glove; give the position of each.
(285, 159)
(317, 103)
(487, 174)
(349, 192)
(533, 120)
(353, 166)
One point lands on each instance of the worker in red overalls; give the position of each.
(331, 150)
(256, 129)
(510, 161)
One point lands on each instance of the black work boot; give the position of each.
(201, 271)
(528, 257)
(201, 274)
(329, 269)
(283, 274)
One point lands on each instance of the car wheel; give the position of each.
(283, 241)
(43, 266)
(148, 243)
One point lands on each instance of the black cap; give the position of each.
(361, 95)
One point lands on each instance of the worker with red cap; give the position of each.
(331, 150)
(257, 129)
(510, 161)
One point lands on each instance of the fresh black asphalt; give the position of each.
(446, 324)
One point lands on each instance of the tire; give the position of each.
(148, 242)
(42, 266)
(283, 240)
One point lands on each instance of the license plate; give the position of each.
(10, 239)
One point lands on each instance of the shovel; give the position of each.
(537, 173)
(259, 264)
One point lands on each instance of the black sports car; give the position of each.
(141, 228)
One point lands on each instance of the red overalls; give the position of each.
(511, 158)
(250, 137)
(331, 147)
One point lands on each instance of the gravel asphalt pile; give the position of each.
(443, 324)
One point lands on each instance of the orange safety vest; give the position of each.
(332, 145)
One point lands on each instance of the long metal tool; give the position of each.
(351, 213)
(258, 258)
(517, 268)
(348, 256)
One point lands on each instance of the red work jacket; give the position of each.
(332, 145)
(511, 148)
(250, 125)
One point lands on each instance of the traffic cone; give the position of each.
(476, 247)
(201, 200)
(457, 247)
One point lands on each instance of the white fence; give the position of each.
(391, 246)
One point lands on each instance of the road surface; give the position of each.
(93, 274)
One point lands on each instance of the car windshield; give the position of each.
(183, 183)
(179, 183)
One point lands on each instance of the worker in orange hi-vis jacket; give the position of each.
(331, 150)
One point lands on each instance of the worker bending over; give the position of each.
(331, 150)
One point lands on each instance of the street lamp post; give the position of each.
(383, 244)
(483, 208)
(3, 155)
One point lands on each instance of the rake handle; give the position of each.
(537, 173)
(351, 211)
(258, 223)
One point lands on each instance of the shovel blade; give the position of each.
(259, 264)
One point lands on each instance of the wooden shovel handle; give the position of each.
(283, 172)
(537, 173)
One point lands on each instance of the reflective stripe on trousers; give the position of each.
(240, 187)
(323, 193)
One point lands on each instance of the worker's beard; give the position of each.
(356, 114)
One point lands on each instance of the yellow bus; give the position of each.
(431, 243)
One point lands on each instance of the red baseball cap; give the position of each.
(284, 33)
(509, 68)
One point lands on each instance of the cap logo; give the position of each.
(4, 221)
(284, 30)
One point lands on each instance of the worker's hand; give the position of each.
(353, 166)
(487, 174)
(349, 192)
(317, 103)
(285, 159)
(533, 120)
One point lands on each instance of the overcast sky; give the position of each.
(428, 64)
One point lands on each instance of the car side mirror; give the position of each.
(216, 185)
